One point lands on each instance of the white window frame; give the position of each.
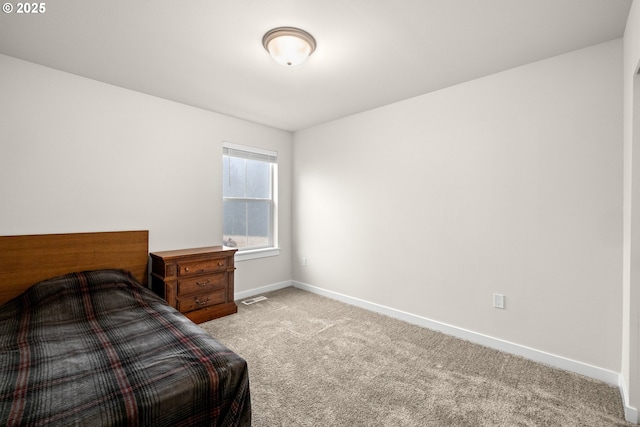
(247, 254)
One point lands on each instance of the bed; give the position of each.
(83, 341)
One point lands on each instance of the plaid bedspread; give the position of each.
(97, 349)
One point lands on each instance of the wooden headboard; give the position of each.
(26, 260)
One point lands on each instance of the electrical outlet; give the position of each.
(304, 261)
(498, 301)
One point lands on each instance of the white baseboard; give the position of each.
(601, 374)
(630, 413)
(261, 290)
(605, 375)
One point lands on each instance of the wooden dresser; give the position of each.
(198, 282)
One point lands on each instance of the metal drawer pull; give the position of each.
(203, 284)
(221, 264)
(186, 269)
(202, 302)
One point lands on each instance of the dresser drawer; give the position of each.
(201, 284)
(187, 268)
(196, 302)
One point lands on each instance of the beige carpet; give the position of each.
(314, 361)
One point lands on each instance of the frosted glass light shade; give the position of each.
(289, 46)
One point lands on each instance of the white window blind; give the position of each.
(264, 156)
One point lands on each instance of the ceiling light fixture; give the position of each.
(289, 46)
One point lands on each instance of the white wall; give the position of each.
(79, 155)
(631, 269)
(511, 183)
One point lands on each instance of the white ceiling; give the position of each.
(209, 54)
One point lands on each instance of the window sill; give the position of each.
(256, 253)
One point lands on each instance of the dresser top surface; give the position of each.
(194, 251)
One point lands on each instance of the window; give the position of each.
(249, 202)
